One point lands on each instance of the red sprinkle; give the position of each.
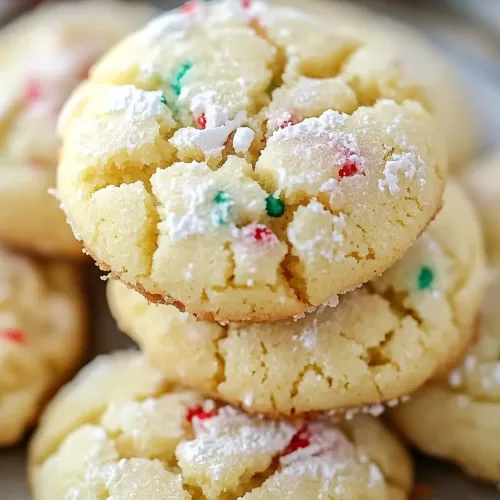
(202, 121)
(262, 233)
(33, 90)
(349, 168)
(17, 336)
(301, 439)
(189, 7)
(198, 412)
(246, 4)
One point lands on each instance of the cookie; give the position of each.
(482, 183)
(404, 57)
(221, 161)
(457, 417)
(42, 337)
(121, 431)
(44, 56)
(380, 342)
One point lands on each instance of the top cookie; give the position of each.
(222, 161)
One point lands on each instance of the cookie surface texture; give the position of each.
(43, 57)
(138, 438)
(42, 337)
(220, 160)
(457, 417)
(379, 343)
(405, 65)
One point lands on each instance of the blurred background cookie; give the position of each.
(482, 182)
(42, 337)
(43, 57)
(119, 429)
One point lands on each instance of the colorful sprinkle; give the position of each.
(262, 233)
(189, 7)
(348, 169)
(202, 121)
(178, 76)
(274, 207)
(287, 123)
(14, 335)
(246, 4)
(221, 213)
(425, 278)
(33, 90)
(301, 439)
(199, 413)
(163, 100)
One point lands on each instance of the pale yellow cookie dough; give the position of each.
(120, 431)
(405, 64)
(42, 337)
(382, 341)
(43, 57)
(222, 160)
(482, 182)
(457, 418)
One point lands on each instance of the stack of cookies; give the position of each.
(270, 193)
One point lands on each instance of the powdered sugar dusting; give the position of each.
(135, 103)
(328, 121)
(243, 139)
(189, 213)
(210, 141)
(233, 434)
(406, 163)
(308, 336)
(324, 242)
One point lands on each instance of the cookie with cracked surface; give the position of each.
(120, 430)
(44, 56)
(404, 65)
(42, 337)
(380, 342)
(482, 182)
(457, 417)
(220, 160)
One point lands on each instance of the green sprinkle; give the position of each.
(163, 100)
(221, 212)
(274, 207)
(178, 76)
(425, 278)
(221, 197)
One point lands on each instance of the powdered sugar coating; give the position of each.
(144, 445)
(321, 158)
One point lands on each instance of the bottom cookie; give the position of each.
(458, 417)
(120, 431)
